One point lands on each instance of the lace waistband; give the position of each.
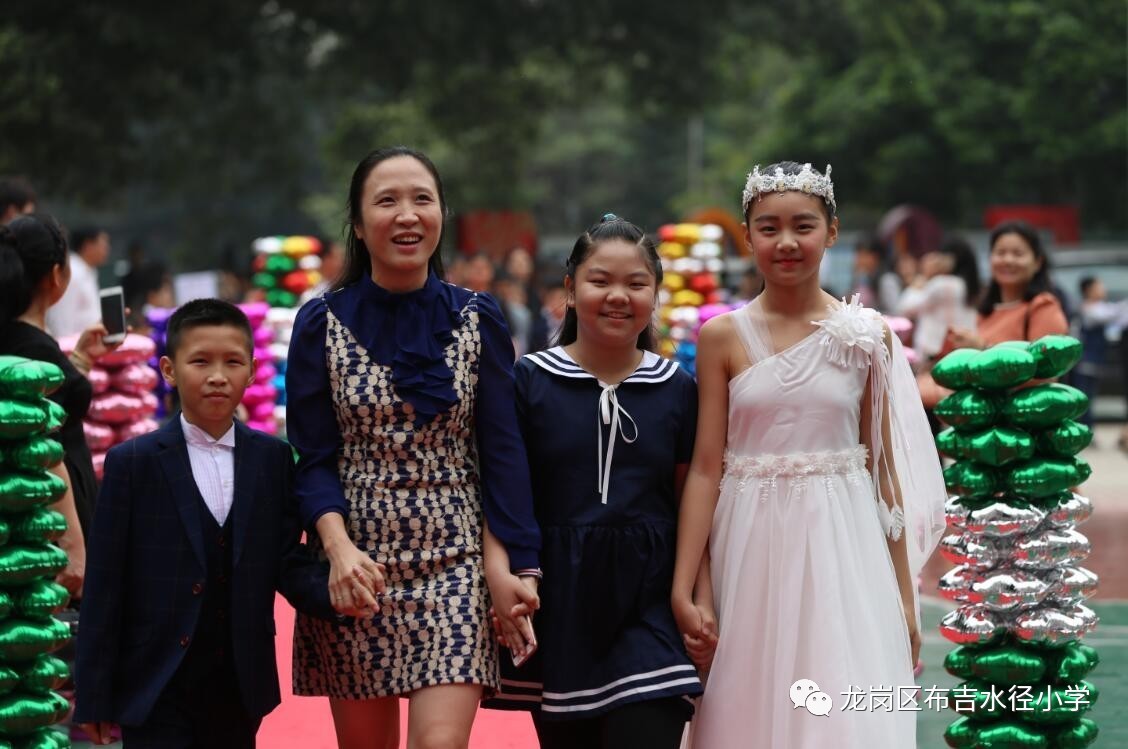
(828, 462)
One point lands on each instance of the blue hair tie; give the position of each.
(608, 217)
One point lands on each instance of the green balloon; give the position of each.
(1001, 367)
(6, 604)
(1043, 476)
(1084, 470)
(44, 738)
(1044, 406)
(264, 281)
(40, 599)
(1012, 736)
(280, 263)
(1078, 736)
(56, 415)
(970, 479)
(22, 640)
(40, 525)
(1051, 501)
(968, 410)
(20, 565)
(37, 453)
(1065, 440)
(958, 662)
(9, 679)
(949, 442)
(1009, 665)
(952, 370)
(22, 713)
(281, 298)
(43, 674)
(963, 733)
(981, 705)
(5, 531)
(1074, 662)
(997, 446)
(24, 491)
(19, 419)
(1058, 706)
(1054, 355)
(28, 379)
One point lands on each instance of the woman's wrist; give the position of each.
(81, 362)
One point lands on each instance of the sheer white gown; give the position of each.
(803, 580)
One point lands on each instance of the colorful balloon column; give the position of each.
(29, 561)
(691, 293)
(157, 317)
(260, 396)
(124, 403)
(1013, 537)
(280, 321)
(285, 268)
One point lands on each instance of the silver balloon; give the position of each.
(972, 625)
(956, 513)
(1070, 585)
(1007, 590)
(1073, 511)
(1053, 626)
(956, 583)
(1049, 548)
(1000, 519)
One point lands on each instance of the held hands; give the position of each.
(354, 582)
(515, 600)
(99, 732)
(698, 625)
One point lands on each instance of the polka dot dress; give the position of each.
(415, 507)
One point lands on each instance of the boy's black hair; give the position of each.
(200, 312)
(15, 192)
(1086, 284)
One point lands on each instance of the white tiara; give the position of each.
(807, 180)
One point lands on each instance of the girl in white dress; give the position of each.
(814, 492)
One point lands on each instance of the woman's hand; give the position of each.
(698, 624)
(965, 338)
(92, 342)
(354, 581)
(515, 600)
(74, 574)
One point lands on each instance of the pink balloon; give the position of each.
(709, 311)
(134, 349)
(99, 380)
(135, 379)
(260, 393)
(263, 354)
(99, 460)
(264, 336)
(265, 372)
(262, 411)
(116, 408)
(149, 403)
(136, 429)
(99, 437)
(902, 327)
(263, 426)
(255, 312)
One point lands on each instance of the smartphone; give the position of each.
(519, 657)
(113, 314)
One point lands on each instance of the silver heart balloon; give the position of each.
(1070, 585)
(956, 583)
(956, 513)
(1073, 511)
(1001, 519)
(1053, 626)
(972, 625)
(1049, 548)
(975, 553)
(1007, 590)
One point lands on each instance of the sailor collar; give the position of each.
(652, 368)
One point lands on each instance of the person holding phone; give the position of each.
(611, 669)
(34, 274)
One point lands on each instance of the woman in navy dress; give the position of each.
(401, 406)
(609, 428)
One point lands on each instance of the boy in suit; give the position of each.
(195, 529)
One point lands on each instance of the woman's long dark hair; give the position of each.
(358, 264)
(965, 266)
(611, 227)
(1040, 282)
(30, 247)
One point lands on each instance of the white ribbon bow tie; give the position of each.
(609, 411)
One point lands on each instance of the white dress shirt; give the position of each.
(213, 467)
(80, 306)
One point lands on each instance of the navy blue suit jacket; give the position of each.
(146, 567)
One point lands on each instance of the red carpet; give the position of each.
(304, 722)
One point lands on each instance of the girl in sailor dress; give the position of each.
(609, 427)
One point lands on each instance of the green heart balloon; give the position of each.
(1054, 355)
(1000, 367)
(28, 379)
(23, 491)
(280, 264)
(41, 525)
(22, 713)
(949, 442)
(56, 415)
(5, 531)
(963, 733)
(281, 298)
(1009, 665)
(952, 370)
(37, 453)
(974, 698)
(40, 599)
(1011, 735)
(44, 738)
(1044, 406)
(19, 419)
(968, 410)
(1058, 706)
(1050, 501)
(264, 281)
(958, 662)
(43, 674)
(970, 479)
(1077, 736)
(1065, 440)
(997, 446)
(22, 640)
(6, 604)
(9, 679)
(20, 565)
(1074, 663)
(1044, 476)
